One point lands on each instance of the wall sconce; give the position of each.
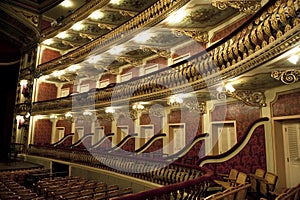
(137, 107)
(174, 100)
(68, 116)
(20, 120)
(87, 113)
(110, 110)
(52, 117)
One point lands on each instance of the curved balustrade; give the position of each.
(65, 141)
(190, 189)
(127, 144)
(103, 143)
(190, 151)
(84, 142)
(238, 147)
(148, 146)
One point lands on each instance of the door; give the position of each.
(122, 131)
(99, 133)
(176, 138)
(292, 152)
(227, 137)
(60, 133)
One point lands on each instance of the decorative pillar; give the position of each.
(53, 128)
(165, 129)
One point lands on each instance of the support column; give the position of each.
(53, 129)
(137, 130)
(165, 129)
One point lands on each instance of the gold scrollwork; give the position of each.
(249, 6)
(287, 77)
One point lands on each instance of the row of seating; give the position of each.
(287, 194)
(263, 183)
(238, 192)
(73, 187)
(11, 190)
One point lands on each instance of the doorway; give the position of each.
(176, 138)
(291, 140)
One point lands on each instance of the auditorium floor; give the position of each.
(17, 165)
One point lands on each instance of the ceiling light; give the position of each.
(73, 68)
(116, 2)
(62, 35)
(229, 88)
(138, 106)
(117, 50)
(293, 59)
(175, 100)
(66, 3)
(48, 42)
(57, 73)
(78, 26)
(96, 15)
(94, 59)
(177, 16)
(143, 37)
(109, 110)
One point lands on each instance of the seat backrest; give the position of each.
(259, 172)
(233, 174)
(241, 178)
(242, 191)
(271, 179)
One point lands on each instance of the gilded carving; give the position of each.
(249, 6)
(287, 77)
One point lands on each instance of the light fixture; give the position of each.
(68, 115)
(53, 117)
(97, 14)
(73, 68)
(78, 26)
(27, 115)
(110, 110)
(293, 59)
(62, 35)
(177, 16)
(137, 106)
(143, 37)
(87, 113)
(66, 3)
(175, 100)
(57, 73)
(116, 50)
(48, 42)
(115, 2)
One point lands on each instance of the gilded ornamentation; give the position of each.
(33, 19)
(106, 26)
(199, 36)
(246, 6)
(160, 52)
(287, 77)
(194, 106)
(248, 97)
(130, 60)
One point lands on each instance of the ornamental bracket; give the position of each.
(246, 6)
(287, 77)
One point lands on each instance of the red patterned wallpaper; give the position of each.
(192, 120)
(253, 156)
(287, 104)
(146, 119)
(47, 91)
(49, 54)
(122, 120)
(243, 115)
(70, 86)
(106, 124)
(66, 124)
(228, 29)
(112, 78)
(134, 70)
(193, 49)
(42, 132)
(162, 62)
